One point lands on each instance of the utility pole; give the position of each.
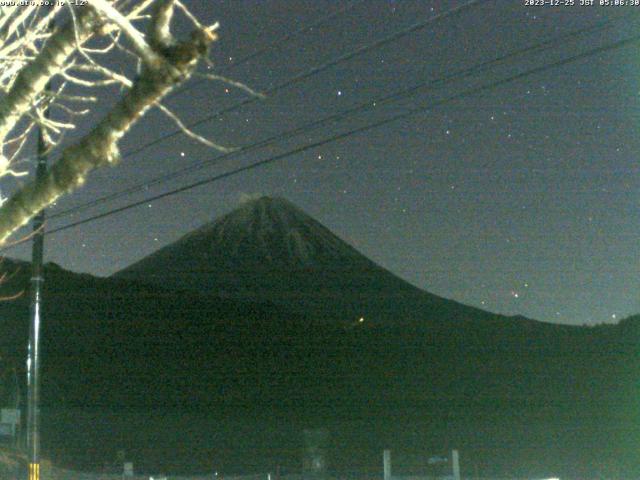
(455, 464)
(33, 360)
(35, 314)
(35, 310)
(386, 464)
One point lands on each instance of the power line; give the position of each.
(273, 46)
(407, 114)
(316, 70)
(367, 105)
(278, 44)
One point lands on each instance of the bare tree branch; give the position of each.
(190, 133)
(33, 78)
(100, 146)
(140, 45)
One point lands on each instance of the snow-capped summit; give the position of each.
(273, 231)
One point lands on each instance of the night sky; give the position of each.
(519, 199)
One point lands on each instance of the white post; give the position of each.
(386, 458)
(455, 463)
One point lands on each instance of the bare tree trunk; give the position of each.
(50, 61)
(100, 146)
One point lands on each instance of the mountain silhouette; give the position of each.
(270, 250)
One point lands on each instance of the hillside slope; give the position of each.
(185, 379)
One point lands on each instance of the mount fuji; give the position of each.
(268, 250)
